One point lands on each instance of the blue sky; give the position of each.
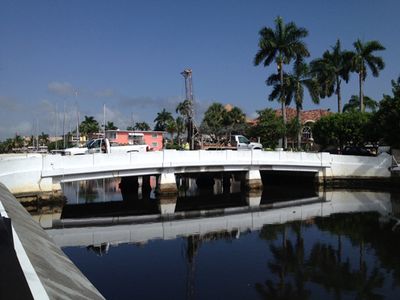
(128, 55)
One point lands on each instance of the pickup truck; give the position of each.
(236, 142)
(102, 145)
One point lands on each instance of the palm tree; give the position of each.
(354, 104)
(111, 126)
(43, 139)
(170, 127)
(143, 126)
(234, 120)
(89, 126)
(294, 84)
(185, 110)
(18, 141)
(214, 118)
(281, 45)
(161, 120)
(363, 57)
(330, 70)
(180, 128)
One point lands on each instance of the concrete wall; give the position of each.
(350, 166)
(52, 270)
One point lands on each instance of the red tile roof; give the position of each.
(306, 115)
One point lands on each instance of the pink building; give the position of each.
(153, 139)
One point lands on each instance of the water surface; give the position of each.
(282, 243)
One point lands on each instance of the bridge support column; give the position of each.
(129, 185)
(253, 180)
(167, 184)
(146, 187)
(167, 204)
(253, 198)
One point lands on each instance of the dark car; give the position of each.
(355, 150)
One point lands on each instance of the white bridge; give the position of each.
(39, 173)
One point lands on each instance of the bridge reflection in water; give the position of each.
(96, 212)
(210, 243)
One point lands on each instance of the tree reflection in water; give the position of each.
(295, 271)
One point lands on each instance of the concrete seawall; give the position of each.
(53, 275)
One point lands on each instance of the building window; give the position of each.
(154, 135)
(111, 135)
(136, 140)
(306, 133)
(154, 144)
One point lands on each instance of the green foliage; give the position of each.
(141, 126)
(111, 126)
(354, 104)
(269, 128)
(343, 129)
(162, 119)
(220, 121)
(333, 67)
(6, 146)
(89, 126)
(387, 119)
(362, 58)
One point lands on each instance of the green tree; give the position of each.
(269, 128)
(354, 104)
(111, 126)
(18, 141)
(6, 146)
(343, 129)
(89, 126)
(180, 128)
(235, 120)
(43, 139)
(170, 127)
(362, 58)
(214, 117)
(185, 110)
(281, 44)
(295, 83)
(387, 119)
(141, 126)
(161, 120)
(331, 69)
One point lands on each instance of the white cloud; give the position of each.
(106, 93)
(62, 88)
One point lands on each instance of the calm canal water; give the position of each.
(219, 243)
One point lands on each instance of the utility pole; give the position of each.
(187, 74)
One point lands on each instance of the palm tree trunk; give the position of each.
(299, 127)
(361, 97)
(339, 96)
(280, 67)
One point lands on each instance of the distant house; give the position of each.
(153, 139)
(308, 117)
